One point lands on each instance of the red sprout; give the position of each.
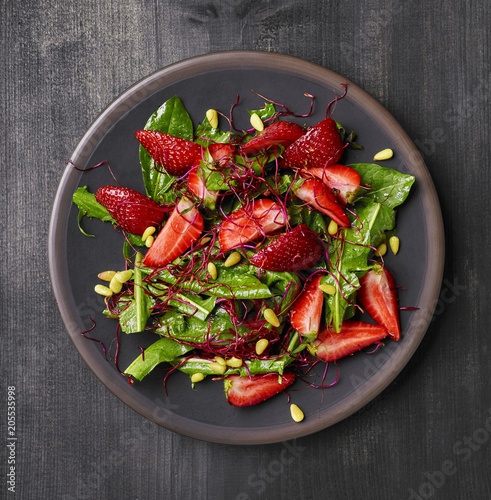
(84, 334)
(93, 167)
(287, 111)
(336, 99)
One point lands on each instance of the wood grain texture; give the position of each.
(429, 64)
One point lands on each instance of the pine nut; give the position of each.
(256, 122)
(149, 241)
(148, 232)
(106, 275)
(381, 250)
(394, 243)
(332, 229)
(197, 377)
(271, 318)
(296, 413)
(327, 288)
(115, 286)
(103, 290)
(123, 276)
(212, 117)
(232, 259)
(261, 346)
(220, 360)
(212, 270)
(385, 154)
(234, 362)
(217, 367)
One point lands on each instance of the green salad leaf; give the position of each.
(162, 351)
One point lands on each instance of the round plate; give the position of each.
(214, 81)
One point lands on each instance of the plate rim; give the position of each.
(58, 269)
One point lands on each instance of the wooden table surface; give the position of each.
(428, 434)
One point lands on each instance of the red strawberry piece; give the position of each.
(277, 134)
(251, 222)
(221, 153)
(344, 181)
(131, 210)
(197, 187)
(315, 193)
(174, 154)
(321, 145)
(306, 312)
(296, 250)
(331, 346)
(182, 229)
(378, 297)
(249, 391)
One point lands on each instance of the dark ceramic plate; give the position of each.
(215, 80)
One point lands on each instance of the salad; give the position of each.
(252, 254)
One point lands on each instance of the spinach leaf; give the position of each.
(237, 282)
(387, 186)
(205, 134)
(285, 285)
(89, 206)
(174, 325)
(267, 111)
(193, 305)
(164, 350)
(133, 318)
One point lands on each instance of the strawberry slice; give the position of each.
(174, 154)
(319, 196)
(131, 210)
(222, 153)
(343, 181)
(249, 391)
(306, 312)
(182, 229)
(321, 145)
(197, 187)
(378, 297)
(354, 335)
(255, 220)
(277, 134)
(296, 250)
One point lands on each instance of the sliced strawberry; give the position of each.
(378, 297)
(306, 312)
(221, 152)
(277, 134)
(249, 391)
(258, 218)
(182, 229)
(173, 154)
(295, 250)
(354, 335)
(319, 196)
(133, 211)
(197, 187)
(321, 145)
(344, 181)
